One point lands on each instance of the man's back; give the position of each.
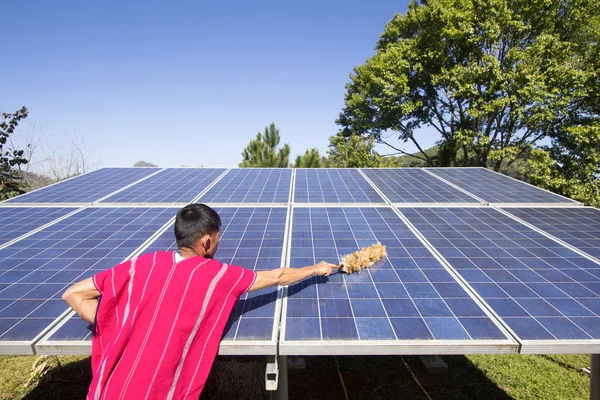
(159, 324)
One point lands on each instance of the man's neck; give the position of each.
(187, 253)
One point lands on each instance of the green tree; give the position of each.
(11, 182)
(356, 151)
(493, 77)
(310, 159)
(263, 152)
(570, 165)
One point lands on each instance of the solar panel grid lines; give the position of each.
(171, 185)
(576, 227)
(36, 270)
(86, 188)
(416, 186)
(457, 187)
(498, 189)
(405, 304)
(252, 237)
(251, 185)
(545, 293)
(18, 222)
(333, 185)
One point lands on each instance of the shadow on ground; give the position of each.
(390, 377)
(365, 377)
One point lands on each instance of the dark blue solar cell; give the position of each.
(410, 328)
(493, 187)
(251, 185)
(338, 328)
(333, 186)
(375, 328)
(446, 328)
(36, 278)
(481, 328)
(171, 185)
(86, 188)
(562, 328)
(303, 329)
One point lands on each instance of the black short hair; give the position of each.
(194, 221)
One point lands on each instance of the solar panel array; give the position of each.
(18, 221)
(407, 296)
(541, 289)
(252, 185)
(579, 227)
(333, 186)
(460, 276)
(171, 185)
(86, 188)
(496, 188)
(414, 185)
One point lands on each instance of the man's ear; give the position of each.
(205, 242)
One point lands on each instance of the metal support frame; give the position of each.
(278, 369)
(595, 377)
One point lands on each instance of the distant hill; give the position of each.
(144, 164)
(409, 161)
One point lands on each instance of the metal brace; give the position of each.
(272, 374)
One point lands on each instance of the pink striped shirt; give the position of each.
(159, 324)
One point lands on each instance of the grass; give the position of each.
(489, 377)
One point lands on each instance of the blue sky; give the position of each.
(186, 82)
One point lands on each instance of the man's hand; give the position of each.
(323, 268)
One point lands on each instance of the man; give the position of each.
(159, 318)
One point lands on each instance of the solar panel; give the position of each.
(496, 188)
(323, 185)
(34, 271)
(17, 221)
(172, 185)
(577, 226)
(407, 297)
(413, 185)
(250, 237)
(251, 185)
(542, 290)
(86, 188)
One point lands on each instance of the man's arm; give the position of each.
(288, 276)
(83, 298)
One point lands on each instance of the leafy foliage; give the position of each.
(569, 166)
(356, 152)
(310, 159)
(263, 152)
(492, 77)
(11, 183)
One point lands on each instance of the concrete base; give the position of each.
(434, 364)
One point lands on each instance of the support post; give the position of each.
(595, 377)
(282, 386)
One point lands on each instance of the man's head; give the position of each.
(197, 228)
